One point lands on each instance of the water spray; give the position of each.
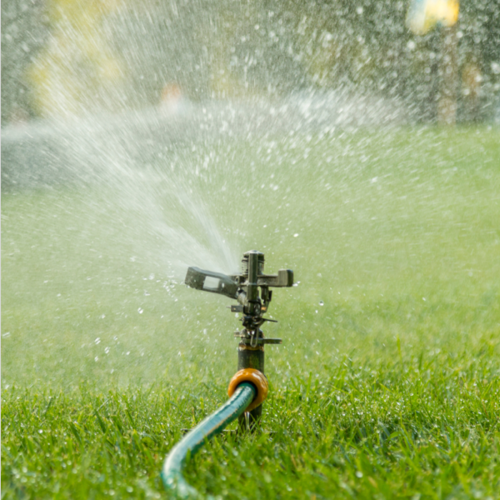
(248, 388)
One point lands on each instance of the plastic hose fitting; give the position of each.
(254, 377)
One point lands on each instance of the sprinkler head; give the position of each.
(250, 288)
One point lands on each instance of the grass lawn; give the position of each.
(387, 384)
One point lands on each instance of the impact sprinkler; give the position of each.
(248, 388)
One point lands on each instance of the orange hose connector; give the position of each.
(254, 377)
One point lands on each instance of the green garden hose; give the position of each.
(171, 473)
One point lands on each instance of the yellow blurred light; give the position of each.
(425, 15)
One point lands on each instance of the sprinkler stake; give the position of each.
(252, 303)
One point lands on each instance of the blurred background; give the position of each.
(79, 57)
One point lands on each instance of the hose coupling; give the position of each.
(254, 377)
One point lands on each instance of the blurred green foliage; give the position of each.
(228, 49)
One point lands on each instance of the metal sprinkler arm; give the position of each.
(210, 281)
